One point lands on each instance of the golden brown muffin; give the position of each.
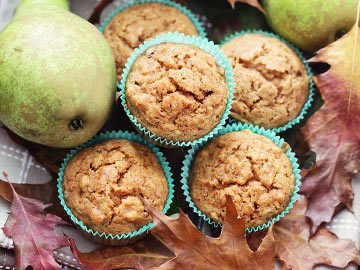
(177, 91)
(250, 168)
(134, 25)
(103, 182)
(271, 82)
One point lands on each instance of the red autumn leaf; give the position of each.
(46, 193)
(333, 131)
(197, 251)
(33, 233)
(146, 253)
(301, 251)
(254, 3)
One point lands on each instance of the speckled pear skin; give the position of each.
(310, 25)
(55, 67)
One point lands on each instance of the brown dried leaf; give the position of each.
(254, 3)
(301, 251)
(197, 251)
(333, 131)
(149, 252)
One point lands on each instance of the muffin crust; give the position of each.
(250, 168)
(177, 91)
(134, 25)
(102, 185)
(271, 82)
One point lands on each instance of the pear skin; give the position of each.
(310, 24)
(57, 76)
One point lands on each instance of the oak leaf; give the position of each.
(33, 233)
(301, 251)
(254, 3)
(197, 251)
(149, 252)
(333, 131)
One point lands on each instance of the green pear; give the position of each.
(57, 75)
(310, 24)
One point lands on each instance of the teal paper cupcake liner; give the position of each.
(102, 237)
(310, 98)
(198, 25)
(202, 43)
(238, 127)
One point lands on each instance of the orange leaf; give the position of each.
(333, 131)
(197, 251)
(146, 253)
(254, 3)
(301, 252)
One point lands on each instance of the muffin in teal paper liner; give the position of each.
(100, 184)
(273, 83)
(135, 22)
(252, 165)
(177, 90)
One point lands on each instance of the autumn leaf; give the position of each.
(33, 233)
(301, 251)
(254, 3)
(333, 131)
(46, 192)
(197, 251)
(149, 252)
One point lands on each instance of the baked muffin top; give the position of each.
(128, 29)
(103, 182)
(271, 82)
(250, 168)
(177, 91)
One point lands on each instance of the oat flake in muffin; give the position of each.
(177, 91)
(103, 182)
(255, 172)
(131, 27)
(271, 82)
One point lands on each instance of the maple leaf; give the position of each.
(254, 3)
(301, 251)
(33, 233)
(333, 131)
(194, 250)
(149, 252)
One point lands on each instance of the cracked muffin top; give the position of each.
(127, 30)
(271, 82)
(250, 168)
(177, 91)
(103, 182)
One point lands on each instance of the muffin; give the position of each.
(271, 82)
(103, 183)
(131, 27)
(177, 91)
(255, 172)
